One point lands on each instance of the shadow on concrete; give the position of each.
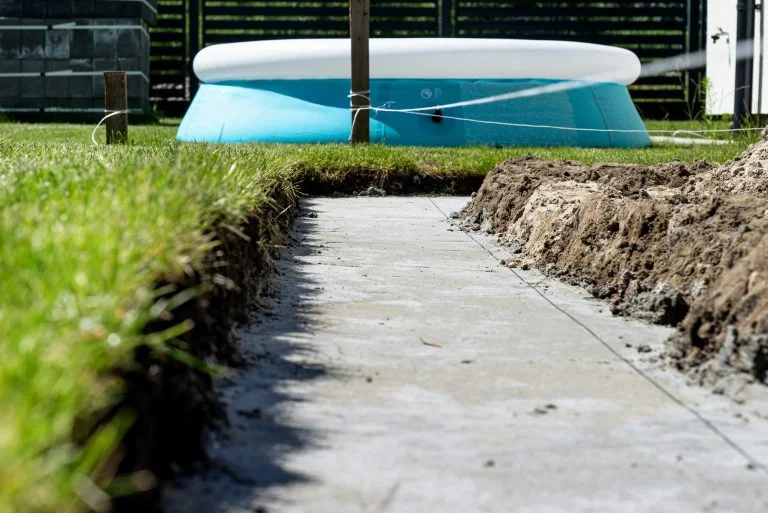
(247, 457)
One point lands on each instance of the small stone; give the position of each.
(254, 413)
(490, 464)
(373, 191)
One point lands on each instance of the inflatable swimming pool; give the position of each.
(297, 91)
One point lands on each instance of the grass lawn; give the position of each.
(86, 232)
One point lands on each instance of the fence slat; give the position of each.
(653, 29)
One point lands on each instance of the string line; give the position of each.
(109, 114)
(674, 133)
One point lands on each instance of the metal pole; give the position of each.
(745, 31)
(359, 29)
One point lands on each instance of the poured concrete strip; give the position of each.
(404, 369)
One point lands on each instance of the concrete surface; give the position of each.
(401, 368)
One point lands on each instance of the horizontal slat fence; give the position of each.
(652, 29)
(226, 21)
(170, 57)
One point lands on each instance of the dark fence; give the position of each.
(652, 29)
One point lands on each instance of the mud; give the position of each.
(389, 183)
(677, 244)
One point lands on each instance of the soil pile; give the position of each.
(677, 244)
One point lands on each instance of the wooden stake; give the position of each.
(359, 29)
(116, 99)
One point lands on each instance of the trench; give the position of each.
(398, 366)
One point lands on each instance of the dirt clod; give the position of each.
(683, 245)
(373, 191)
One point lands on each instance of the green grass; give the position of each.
(751, 129)
(85, 232)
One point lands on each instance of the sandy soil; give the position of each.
(677, 244)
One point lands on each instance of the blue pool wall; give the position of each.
(317, 111)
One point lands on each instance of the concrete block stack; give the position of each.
(53, 53)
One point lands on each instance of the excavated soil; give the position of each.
(677, 244)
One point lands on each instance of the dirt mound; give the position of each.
(677, 244)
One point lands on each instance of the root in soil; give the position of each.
(683, 245)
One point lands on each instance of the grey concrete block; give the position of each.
(128, 65)
(57, 87)
(33, 87)
(35, 51)
(34, 8)
(11, 9)
(105, 43)
(129, 43)
(10, 87)
(56, 64)
(81, 64)
(139, 103)
(105, 64)
(98, 86)
(60, 8)
(32, 66)
(32, 44)
(57, 44)
(22, 103)
(137, 86)
(83, 103)
(81, 87)
(10, 44)
(10, 65)
(81, 45)
(83, 8)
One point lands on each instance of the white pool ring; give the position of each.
(443, 58)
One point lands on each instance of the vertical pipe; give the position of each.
(359, 30)
(745, 31)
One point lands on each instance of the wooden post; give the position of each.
(116, 99)
(359, 29)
